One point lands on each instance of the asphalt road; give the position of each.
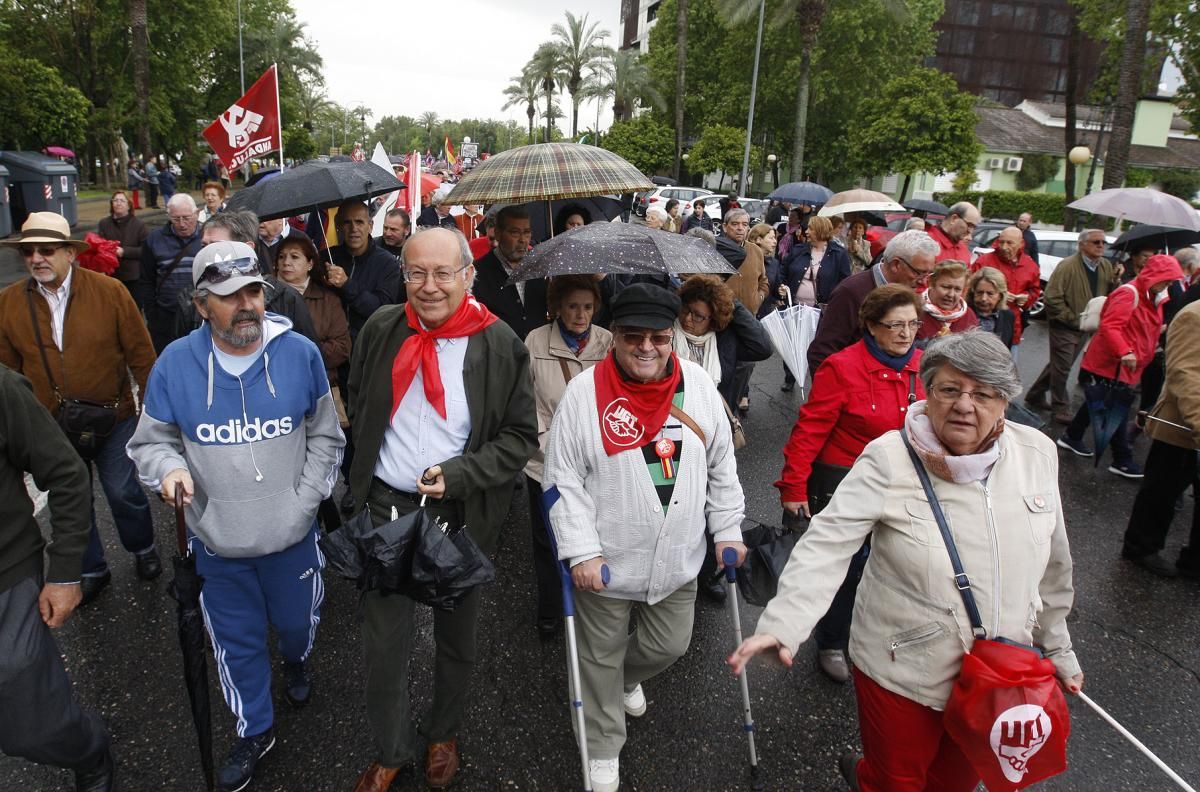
(1135, 635)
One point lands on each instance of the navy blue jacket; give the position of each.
(160, 283)
(374, 281)
(835, 268)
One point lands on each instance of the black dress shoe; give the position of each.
(148, 565)
(713, 589)
(98, 779)
(92, 585)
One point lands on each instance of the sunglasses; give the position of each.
(657, 339)
(224, 270)
(45, 251)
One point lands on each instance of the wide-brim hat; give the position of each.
(46, 227)
(237, 257)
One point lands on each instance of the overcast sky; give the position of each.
(455, 58)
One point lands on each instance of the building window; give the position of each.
(652, 12)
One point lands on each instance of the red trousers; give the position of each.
(905, 747)
(134, 198)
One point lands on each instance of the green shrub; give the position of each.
(1036, 170)
(1008, 205)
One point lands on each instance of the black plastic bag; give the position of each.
(768, 549)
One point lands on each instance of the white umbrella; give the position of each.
(1141, 205)
(849, 201)
(791, 331)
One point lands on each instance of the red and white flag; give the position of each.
(251, 126)
(413, 180)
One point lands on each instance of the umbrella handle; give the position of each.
(180, 522)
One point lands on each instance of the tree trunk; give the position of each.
(1129, 83)
(904, 189)
(681, 38)
(801, 115)
(141, 72)
(1070, 136)
(531, 113)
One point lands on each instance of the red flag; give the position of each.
(251, 125)
(413, 179)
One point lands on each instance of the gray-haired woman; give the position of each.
(997, 485)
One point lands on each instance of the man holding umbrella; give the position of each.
(441, 404)
(645, 420)
(239, 414)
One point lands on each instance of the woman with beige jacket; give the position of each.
(997, 484)
(557, 352)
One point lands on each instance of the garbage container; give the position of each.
(6, 226)
(40, 184)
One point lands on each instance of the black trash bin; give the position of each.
(6, 224)
(40, 184)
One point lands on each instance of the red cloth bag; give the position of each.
(1008, 715)
(102, 257)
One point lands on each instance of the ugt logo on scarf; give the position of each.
(1018, 734)
(621, 427)
(250, 126)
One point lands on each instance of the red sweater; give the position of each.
(854, 400)
(1024, 277)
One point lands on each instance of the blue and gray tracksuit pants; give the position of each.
(240, 597)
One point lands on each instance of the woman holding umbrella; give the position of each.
(1113, 364)
(557, 352)
(858, 394)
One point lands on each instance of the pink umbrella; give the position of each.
(59, 151)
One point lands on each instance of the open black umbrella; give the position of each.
(1161, 237)
(314, 185)
(621, 248)
(922, 205)
(185, 589)
(598, 208)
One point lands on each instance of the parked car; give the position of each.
(660, 196)
(756, 207)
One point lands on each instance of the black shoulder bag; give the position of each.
(85, 423)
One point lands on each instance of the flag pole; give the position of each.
(278, 115)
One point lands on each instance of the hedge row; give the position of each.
(1008, 205)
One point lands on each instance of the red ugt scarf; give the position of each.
(632, 413)
(420, 351)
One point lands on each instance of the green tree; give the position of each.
(298, 144)
(681, 41)
(429, 120)
(40, 109)
(523, 90)
(648, 144)
(1036, 170)
(580, 48)
(626, 79)
(720, 148)
(920, 123)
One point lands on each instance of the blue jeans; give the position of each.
(126, 498)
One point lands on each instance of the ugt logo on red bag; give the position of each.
(1017, 735)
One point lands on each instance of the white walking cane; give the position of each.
(1136, 743)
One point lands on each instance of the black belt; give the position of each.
(411, 497)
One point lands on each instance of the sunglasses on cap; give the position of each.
(224, 270)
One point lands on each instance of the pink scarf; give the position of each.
(943, 316)
(961, 469)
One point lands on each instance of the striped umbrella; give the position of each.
(547, 171)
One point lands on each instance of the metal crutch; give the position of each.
(549, 498)
(729, 559)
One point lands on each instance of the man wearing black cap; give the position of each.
(640, 457)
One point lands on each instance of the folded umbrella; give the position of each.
(791, 331)
(801, 193)
(620, 248)
(314, 185)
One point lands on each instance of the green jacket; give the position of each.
(504, 431)
(1067, 293)
(30, 441)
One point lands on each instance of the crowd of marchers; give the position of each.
(253, 367)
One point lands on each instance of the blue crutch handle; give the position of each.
(605, 575)
(549, 498)
(729, 559)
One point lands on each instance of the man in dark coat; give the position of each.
(461, 445)
(521, 306)
(363, 274)
(166, 267)
(1031, 244)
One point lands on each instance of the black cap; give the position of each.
(645, 306)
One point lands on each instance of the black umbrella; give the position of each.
(621, 248)
(922, 205)
(803, 192)
(598, 208)
(314, 185)
(413, 554)
(1161, 237)
(185, 589)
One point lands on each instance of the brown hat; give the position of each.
(47, 227)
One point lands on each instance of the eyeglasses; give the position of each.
(948, 394)
(697, 317)
(919, 274)
(441, 277)
(1094, 242)
(177, 219)
(896, 327)
(224, 270)
(657, 339)
(45, 251)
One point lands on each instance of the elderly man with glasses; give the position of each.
(441, 407)
(167, 266)
(1076, 280)
(953, 234)
(907, 260)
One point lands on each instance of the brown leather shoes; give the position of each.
(441, 764)
(378, 778)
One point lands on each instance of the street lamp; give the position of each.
(773, 161)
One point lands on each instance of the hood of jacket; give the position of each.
(200, 342)
(734, 253)
(1156, 270)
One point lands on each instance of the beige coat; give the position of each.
(910, 630)
(547, 354)
(750, 284)
(1180, 399)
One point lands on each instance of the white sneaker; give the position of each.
(635, 702)
(605, 773)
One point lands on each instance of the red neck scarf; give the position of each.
(420, 351)
(632, 413)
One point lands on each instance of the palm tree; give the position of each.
(580, 45)
(547, 68)
(1129, 84)
(283, 43)
(809, 16)
(313, 102)
(429, 120)
(523, 90)
(626, 79)
(681, 39)
(141, 72)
